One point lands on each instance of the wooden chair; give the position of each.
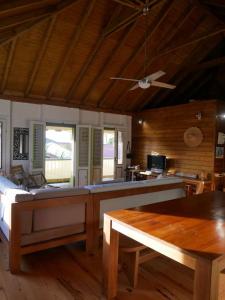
(18, 175)
(132, 254)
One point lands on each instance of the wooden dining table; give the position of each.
(190, 231)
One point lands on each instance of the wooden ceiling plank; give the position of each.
(20, 29)
(72, 43)
(42, 51)
(159, 19)
(8, 65)
(113, 52)
(181, 21)
(91, 57)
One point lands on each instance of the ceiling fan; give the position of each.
(149, 80)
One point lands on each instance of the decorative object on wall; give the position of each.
(221, 138)
(193, 137)
(21, 144)
(219, 152)
(199, 115)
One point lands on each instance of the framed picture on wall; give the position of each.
(219, 152)
(20, 144)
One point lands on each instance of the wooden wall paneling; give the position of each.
(162, 132)
(153, 27)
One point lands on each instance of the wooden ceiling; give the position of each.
(63, 52)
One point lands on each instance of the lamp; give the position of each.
(199, 115)
(140, 121)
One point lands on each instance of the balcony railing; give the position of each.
(108, 168)
(58, 170)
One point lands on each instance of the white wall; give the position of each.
(20, 114)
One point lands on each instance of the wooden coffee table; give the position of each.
(190, 231)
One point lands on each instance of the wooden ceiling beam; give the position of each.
(20, 29)
(151, 30)
(181, 21)
(41, 53)
(129, 4)
(108, 61)
(124, 23)
(14, 7)
(213, 3)
(207, 65)
(8, 65)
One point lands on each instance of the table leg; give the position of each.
(206, 282)
(110, 259)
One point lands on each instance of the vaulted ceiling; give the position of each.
(63, 52)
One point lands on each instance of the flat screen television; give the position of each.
(156, 162)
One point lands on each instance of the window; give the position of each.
(120, 148)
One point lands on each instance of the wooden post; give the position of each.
(110, 259)
(206, 282)
(15, 240)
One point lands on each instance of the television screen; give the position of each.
(157, 162)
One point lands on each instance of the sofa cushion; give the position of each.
(132, 184)
(49, 193)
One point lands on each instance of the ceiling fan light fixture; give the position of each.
(144, 84)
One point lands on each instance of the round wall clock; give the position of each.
(193, 137)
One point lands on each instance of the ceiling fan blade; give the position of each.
(163, 85)
(155, 76)
(121, 78)
(134, 87)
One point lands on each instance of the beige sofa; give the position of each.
(45, 218)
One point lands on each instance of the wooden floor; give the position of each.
(68, 273)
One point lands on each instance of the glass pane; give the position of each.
(120, 148)
(1, 145)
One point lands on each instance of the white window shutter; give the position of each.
(83, 157)
(37, 146)
(97, 154)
